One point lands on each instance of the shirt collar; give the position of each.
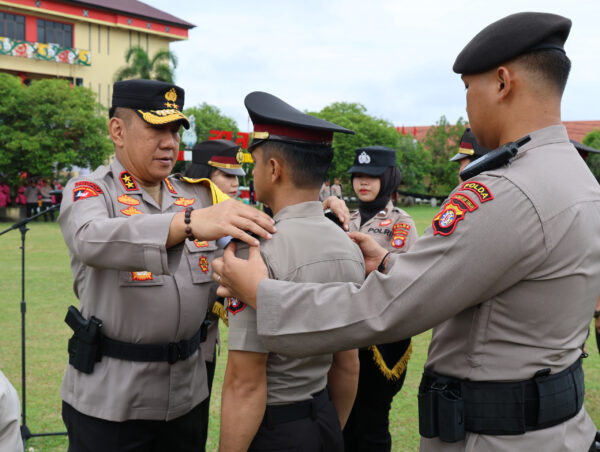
(300, 210)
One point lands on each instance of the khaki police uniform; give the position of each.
(325, 192)
(509, 272)
(142, 292)
(336, 190)
(10, 417)
(308, 247)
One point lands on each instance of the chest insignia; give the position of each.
(87, 183)
(128, 200)
(170, 187)
(200, 244)
(234, 305)
(128, 181)
(480, 190)
(184, 202)
(385, 222)
(446, 220)
(83, 193)
(131, 211)
(141, 276)
(203, 264)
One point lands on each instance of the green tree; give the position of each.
(209, 117)
(443, 141)
(139, 65)
(592, 140)
(49, 126)
(369, 131)
(414, 160)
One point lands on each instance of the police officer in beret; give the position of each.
(375, 178)
(508, 274)
(468, 150)
(142, 245)
(221, 162)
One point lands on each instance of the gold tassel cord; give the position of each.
(399, 368)
(219, 310)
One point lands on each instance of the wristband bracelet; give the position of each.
(187, 219)
(381, 266)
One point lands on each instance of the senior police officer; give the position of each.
(141, 247)
(513, 245)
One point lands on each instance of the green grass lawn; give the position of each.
(49, 293)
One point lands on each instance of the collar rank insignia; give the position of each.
(385, 222)
(446, 220)
(84, 192)
(128, 200)
(128, 181)
(200, 244)
(203, 264)
(141, 276)
(234, 305)
(479, 189)
(184, 202)
(131, 210)
(170, 187)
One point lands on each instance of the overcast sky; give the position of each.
(394, 57)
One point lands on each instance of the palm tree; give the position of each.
(140, 65)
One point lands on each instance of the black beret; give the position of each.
(273, 119)
(469, 147)
(511, 37)
(373, 160)
(155, 102)
(222, 154)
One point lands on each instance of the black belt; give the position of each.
(448, 407)
(280, 414)
(171, 352)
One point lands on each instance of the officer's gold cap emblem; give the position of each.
(239, 156)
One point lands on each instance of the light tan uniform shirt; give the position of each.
(308, 247)
(392, 228)
(511, 279)
(142, 292)
(10, 417)
(336, 190)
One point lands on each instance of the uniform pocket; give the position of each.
(477, 335)
(200, 256)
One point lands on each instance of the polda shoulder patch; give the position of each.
(84, 192)
(482, 192)
(444, 223)
(92, 185)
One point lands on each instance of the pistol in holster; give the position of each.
(84, 345)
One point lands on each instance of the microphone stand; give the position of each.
(22, 226)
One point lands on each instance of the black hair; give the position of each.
(553, 65)
(308, 164)
(199, 171)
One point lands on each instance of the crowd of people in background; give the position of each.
(34, 196)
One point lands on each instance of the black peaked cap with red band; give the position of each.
(275, 120)
(469, 147)
(221, 154)
(511, 37)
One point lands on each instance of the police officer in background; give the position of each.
(468, 151)
(141, 246)
(508, 273)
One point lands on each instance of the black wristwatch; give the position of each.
(596, 314)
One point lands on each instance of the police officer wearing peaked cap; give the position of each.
(141, 246)
(468, 150)
(492, 274)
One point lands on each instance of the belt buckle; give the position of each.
(174, 352)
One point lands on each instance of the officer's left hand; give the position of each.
(237, 277)
(339, 208)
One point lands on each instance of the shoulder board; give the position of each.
(217, 195)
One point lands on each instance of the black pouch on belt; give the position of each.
(451, 415)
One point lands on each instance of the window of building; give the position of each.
(55, 32)
(12, 26)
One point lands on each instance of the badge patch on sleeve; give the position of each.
(84, 192)
(128, 181)
(234, 305)
(170, 187)
(203, 264)
(128, 200)
(141, 276)
(401, 228)
(446, 220)
(87, 183)
(464, 202)
(398, 241)
(184, 202)
(479, 189)
(131, 211)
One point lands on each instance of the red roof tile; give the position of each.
(139, 9)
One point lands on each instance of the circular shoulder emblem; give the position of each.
(364, 158)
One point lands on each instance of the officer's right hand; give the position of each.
(372, 252)
(230, 217)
